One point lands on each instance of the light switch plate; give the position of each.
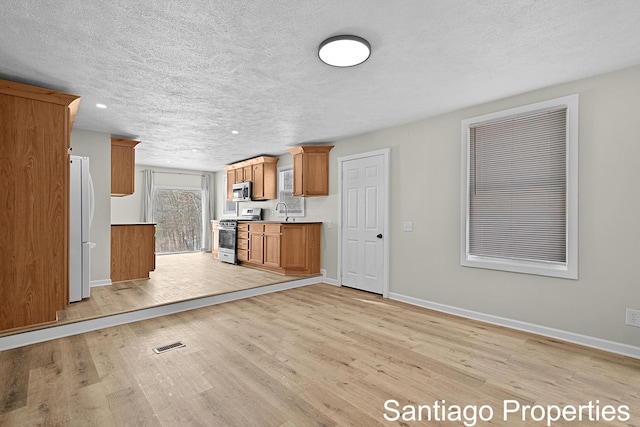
(407, 226)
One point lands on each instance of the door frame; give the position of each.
(385, 152)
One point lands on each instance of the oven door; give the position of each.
(227, 239)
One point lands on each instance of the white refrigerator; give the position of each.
(81, 201)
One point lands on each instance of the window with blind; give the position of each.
(520, 189)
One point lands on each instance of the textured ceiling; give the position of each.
(181, 75)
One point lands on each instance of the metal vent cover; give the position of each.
(168, 347)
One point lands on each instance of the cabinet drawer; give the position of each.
(243, 244)
(256, 228)
(243, 227)
(243, 235)
(243, 255)
(272, 228)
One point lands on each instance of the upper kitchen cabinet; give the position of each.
(34, 195)
(261, 171)
(123, 160)
(311, 170)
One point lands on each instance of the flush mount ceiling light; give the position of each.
(344, 51)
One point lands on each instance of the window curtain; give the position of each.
(207, 209)
(147, 195)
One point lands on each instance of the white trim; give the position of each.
(55, 332)
(386, 153)
(103, 282)
(585, 340)
(568, 270)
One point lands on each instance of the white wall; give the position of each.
(97, 146)
(425, 188)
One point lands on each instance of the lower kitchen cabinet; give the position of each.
(133, 251)
(215, 235)
(285, 248)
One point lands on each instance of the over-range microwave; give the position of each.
(242, 192)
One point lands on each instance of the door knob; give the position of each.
(379, 236)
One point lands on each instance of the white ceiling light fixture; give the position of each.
(101, 106)
(344, 51)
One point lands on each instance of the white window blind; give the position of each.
(518, 188)
(519, 209)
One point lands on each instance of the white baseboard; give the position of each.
(55, 332)
(585, 340)
(96, 283)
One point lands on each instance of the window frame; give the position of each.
(569, 269)
(296, 210)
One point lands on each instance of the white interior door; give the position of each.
(363, 223)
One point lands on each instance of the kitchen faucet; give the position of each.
(286, 210)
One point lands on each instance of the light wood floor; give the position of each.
(178, 277)
(311, 356)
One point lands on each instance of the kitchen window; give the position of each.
(295, 205)
(520, 190)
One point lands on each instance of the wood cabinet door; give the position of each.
(271, 248)
(247, 174)
(231, 179)
(294, 247)
(256, 252)
(239, 175)
(258, 181)
(122, 166)
(297, 175)
(316, 170)
(256, 243)
(122, 170)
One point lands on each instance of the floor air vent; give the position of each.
(165, 348)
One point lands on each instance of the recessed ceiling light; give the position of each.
(235, 132)
(344, 51)
(194, 150)
(101, 106)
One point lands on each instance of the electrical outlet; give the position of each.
(633, 317)
(407, 226)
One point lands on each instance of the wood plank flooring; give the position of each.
(312, 356)
(178, 277)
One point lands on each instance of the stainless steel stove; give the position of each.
(228, 234)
